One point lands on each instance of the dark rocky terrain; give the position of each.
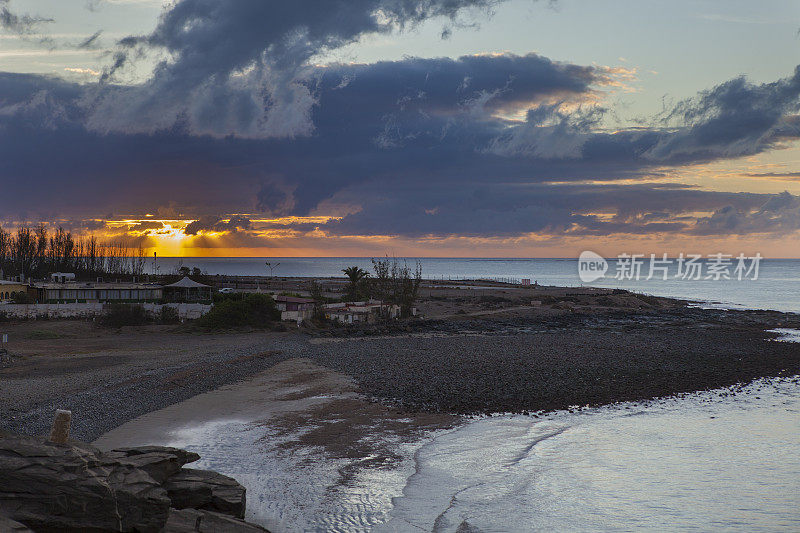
(74, 487)
(537, 363)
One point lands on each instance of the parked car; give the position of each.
(226, 290)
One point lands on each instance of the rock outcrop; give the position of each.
(202, 489)
(160, 462)
(74, 487)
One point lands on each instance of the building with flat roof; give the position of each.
(293, 303)
(80, 292)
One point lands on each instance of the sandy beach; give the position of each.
(292, 395)
(305, 433)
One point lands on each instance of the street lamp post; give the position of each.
(272, 267)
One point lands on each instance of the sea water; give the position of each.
(777, 286)
(692, 464)
(709, 461)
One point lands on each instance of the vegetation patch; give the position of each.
(119, 315)
(240, 310)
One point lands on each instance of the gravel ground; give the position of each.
(513, 363)
(596, 362)
(103, 395)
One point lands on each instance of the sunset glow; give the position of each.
(508, 141)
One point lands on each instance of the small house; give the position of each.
(62, 277)
(293, 303)
(294, 308)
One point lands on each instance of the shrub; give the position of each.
(119, 315)
(168, 315)
(254, 310)
(220, 297)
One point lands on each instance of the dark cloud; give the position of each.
(235, 223)
(91, 41)
(19, 24)
(421, 146)
(536, 208)
(240, 67)
(781, 176)
(733, 119)
(239, 120)
(275, 199)
(779, 214)
(146, 225)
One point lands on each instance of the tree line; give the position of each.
(34, 252)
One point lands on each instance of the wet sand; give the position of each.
(294, 396)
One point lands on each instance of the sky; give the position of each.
(460, 128)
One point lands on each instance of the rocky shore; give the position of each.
(74, 487)
(531, 363)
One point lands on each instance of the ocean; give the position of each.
(702, 462)
(776, 287)
(709, 461)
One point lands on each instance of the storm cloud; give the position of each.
(237, 118)
(242, 67)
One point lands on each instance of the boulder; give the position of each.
(194, 520)
(73, 487)
(160, 462)
(203, 489)
(11, 526)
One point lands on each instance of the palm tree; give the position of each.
(356, 276)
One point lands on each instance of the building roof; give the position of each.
(293, 299)
(92, 285)
(187, 283)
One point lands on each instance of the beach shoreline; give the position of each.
(471, 354)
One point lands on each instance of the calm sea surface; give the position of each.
(706, 462)
(777, 286)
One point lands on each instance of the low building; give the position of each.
(80, 292)
(294, 308)
(360, 312)
(187, 290)
(62, 277)
(293, 303)
(7, 288)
